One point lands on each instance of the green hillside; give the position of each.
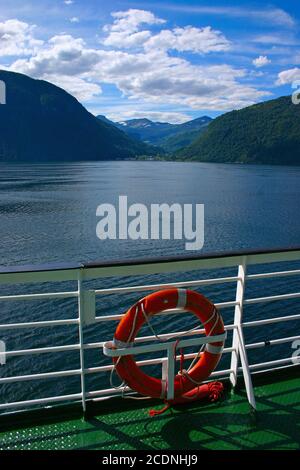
(165, 136)
(266, 133)
(41, 122)
(181, 139)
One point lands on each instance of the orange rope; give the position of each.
(153, 413)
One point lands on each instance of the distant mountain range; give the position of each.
(266, 133)
(41, 122)
(169, 137)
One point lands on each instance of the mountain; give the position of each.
(104, 119)
(185, 134)
(266, 133)
(142, 129)
(42, 122)
(169, 137)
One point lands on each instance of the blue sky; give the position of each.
(170, 60)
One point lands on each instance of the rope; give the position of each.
(153, 413)
(176, 335)
(117, 387)
(185, 373)
(182, 372)
(209, 334)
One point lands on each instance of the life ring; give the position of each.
(144, 309)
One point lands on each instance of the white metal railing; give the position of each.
(87, 316)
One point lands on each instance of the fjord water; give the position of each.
(48, 214)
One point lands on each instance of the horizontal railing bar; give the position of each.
(268, 321)
(218, 373)
(41, 401)
(107, 392)
(93, 345)
(272, 342)
(104, 318)
(118, 391)
(57, 273)
(202, 331)
(196, 283)
(184, 264)
(39, 324)
(284, 367)
(124, 290)
(289, 253)
(272, 298)
(182, 343)
(293, 272)
(141, 339)
(50, 349)
(166, 336)
(46, 375)
(146, 362)
(219, 305)
(91, 370)
(269, 363)
(42, 296)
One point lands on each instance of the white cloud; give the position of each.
(130, 20)
(17, 38)
(151, 76)
(122, 40)
(276, 16)
(81, 89)
(63, 61)
(288, 76)
(124, 32)
(62, 55)
(189, 38)
(74, 19)
(278, 39)
(147, 75)
(68, 2)
(261, 61)
(206, 87)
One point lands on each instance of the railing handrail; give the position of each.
(138, 261)
(186, 257)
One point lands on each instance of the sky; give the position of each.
(171, 60)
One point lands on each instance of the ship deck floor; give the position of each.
(125, 424)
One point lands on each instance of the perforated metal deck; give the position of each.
(125, 424)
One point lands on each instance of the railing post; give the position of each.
(238, 344)
(2, 353)
(245, 367)
(238, 314)
(164, 376)
(81, 339)
(171, 372)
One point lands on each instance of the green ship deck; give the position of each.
(125, 425)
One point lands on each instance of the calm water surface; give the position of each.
(48, 214)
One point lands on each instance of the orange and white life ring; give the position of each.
(130, 324)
